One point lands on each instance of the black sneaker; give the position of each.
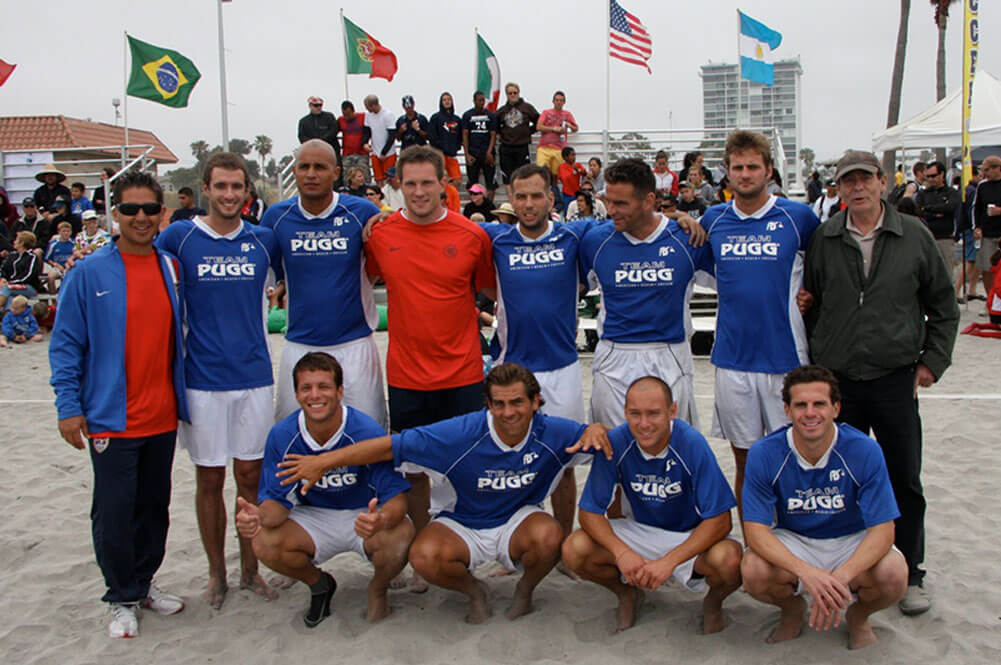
(319, 603)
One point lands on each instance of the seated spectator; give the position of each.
(478, 218)
(19, 325)
(391, 191)
(354, 182)
(59, 211)
(480, 203)
(505, 213)
(78, 199)
(595, 175)
(704, 190)
(58, 252)
(187, 209)
(725, 193)
(570, 174)
(99, 199)
(666, 179)
(598, 210)
(693, 164)
(374, 194)
(668, 204)
(21, 272)
(8, 214)
(92, 236)
(45, 314)
(688, 201)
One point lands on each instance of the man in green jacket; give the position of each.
(884, 320)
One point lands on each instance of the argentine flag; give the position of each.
(757, 41)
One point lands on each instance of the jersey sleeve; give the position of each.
(713, 495)
(387, 482)
(429, 447)
(167, 240)
(875, 494)
(808, 223)
(372, 255)
(484, 277)
(757, 496)
(269, 487)
(600, 487)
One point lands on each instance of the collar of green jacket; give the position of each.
(835, 226)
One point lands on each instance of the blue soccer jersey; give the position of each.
(480, 482)
(645, 284)
(340, 488)
(329, 296)
(224, 277)
(674, 490)
(846, 491)
(759, 271)
(538, 285)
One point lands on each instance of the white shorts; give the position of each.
(562, 389)
(748, 406)
(359, 359)
(824, 553)
(332, 531)
(652, 542)
(486, 545)
(226, 424)
(616, 365)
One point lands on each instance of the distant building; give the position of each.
(729, 101)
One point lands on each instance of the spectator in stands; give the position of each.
(668, 204)
(479, 135)
(51, 187)
(92, 236)
(569, 173)
(21, 272)
(354, 182)
(554, 126)
(693, 162)
(19, 324)
(78, 199)
(381, 123)
(505, 213)
(355, 137)
(724, 194)
(704, 191)
(8, 214)
(60, 212)
(445, 134)
(829, 204)
(595, 175)
(411, 127)
(598, 210)
(320, 124)
(815, 189)
(479, 202)
(515, 126)
(253, 207)
(666, 179)
(391, 191)
(100, 198)
(374, 194)
(688, 201)
(58, 252)
(187, 209)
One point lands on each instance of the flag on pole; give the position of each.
(161, 75)
(628, 38)
(487, 73)
(6, 69)
(971, 53)
(365, 55)
(757, 41)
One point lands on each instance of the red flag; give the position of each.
(365, 55)
(6, 70)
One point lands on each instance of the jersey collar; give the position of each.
(444, 214)
(760, 212)
(633, 240)
(332, 442)
(210, 232)
(662, 454)
(549, 230)
(323, 215)
(822, 462)
(495, 437)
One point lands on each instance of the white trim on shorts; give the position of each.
(332, 531)
(562, 389)
(747, 406)
(226, 424)
(652, 542)
(494, 544)
(359, 359)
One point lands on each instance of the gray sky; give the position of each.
(70, 59)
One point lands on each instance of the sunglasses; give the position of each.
(130, 209)
(316, 103)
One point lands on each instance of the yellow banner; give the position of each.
(971, 50)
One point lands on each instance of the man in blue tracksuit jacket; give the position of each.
(118, 374)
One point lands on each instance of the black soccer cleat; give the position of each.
(319, 603)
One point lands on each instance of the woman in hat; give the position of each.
(505, 214)
(51, 187)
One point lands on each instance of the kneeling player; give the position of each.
(677, 503)
(492, 469)
(818, 517)
(292, 532)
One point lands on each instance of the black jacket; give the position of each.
(23, 268)
(45, 196)
(937, 207)
(322, 125)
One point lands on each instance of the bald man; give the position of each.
(330, 303)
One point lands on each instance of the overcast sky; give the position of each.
(70, 58)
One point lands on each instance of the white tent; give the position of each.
(940, 126)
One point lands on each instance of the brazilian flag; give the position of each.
(161, 75)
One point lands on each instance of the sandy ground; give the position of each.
(50, 585)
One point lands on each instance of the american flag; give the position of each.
(628, 38)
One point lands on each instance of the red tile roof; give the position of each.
(47, 132)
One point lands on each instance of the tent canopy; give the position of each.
(940, 126)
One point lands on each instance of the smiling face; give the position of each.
(512, 411)
(532, 200)
(315, 171)
(812, 413)
(649, 415)
(138, 230)
(628, 212)
(226, 192)
(318, 395)
(422, 190)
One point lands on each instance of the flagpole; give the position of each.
(222, 82)
(344, 35)
(476, 56)
(608, 82)
(740, 76)
(125, 111)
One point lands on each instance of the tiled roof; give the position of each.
(46, 132)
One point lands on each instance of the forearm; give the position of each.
(874, 546)
(600, 529)
(702, 537)
(394, 510)
(273, 514)
(368, 451)
(764, 543)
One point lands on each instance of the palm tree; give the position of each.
(262, 146)
(200, 149)
(941, 20)
(897, 81)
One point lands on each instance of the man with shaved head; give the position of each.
(330, 302)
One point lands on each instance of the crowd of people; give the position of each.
(831, 519)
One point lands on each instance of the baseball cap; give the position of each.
(408, 101)
(477, 189)
(28, 202)
(857, 160)
(60, 201)
(89, 214)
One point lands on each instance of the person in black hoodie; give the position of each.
(445, 134)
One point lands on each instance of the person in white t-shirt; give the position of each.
(382, 122)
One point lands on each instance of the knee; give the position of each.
(547, 538)
(755, 573)
(725, 559)
(425, 555)
(891, 575)
(576, 549)
(247, 474)
(210, 479)
(266, 548)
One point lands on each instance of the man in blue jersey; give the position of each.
(677, 505)
(758, 242)
(818, 517)
(492, 469)
(646, 270)
(330, 302)
(227, 368)
(359, 509)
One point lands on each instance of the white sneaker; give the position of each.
(916, 601)
(162, 602)
(124, 621)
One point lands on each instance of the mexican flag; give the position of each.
(161, 75)
(365, 55)
(487, 73)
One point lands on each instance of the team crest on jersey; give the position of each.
(774, 226)
(450, 251)
(836, 475)
(528, 458)
(246, 247)
(100, 444)
(665, 250)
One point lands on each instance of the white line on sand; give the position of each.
(975, 396)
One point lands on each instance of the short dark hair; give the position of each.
(633, 172)
(810, 374)
(507, 374)
(661, 383)
(186, 191)
(690, 158)
(595, 159)
(919, 167)
(229, 161)
(318, 361)
(744, 140)
(135, 179)
(526, 171)
(79, 185)
(559, 92)
(372, 189)
(421, 154)
(479, 93)
(937, 164)
(108, 171)
(661, 154)
(567, 151)
(346, 104)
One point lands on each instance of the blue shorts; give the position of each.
(970, 250)
(28, 292)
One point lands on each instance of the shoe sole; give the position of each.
(914, 612)
(147, 606)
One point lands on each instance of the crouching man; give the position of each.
(677, 504)
(352, 508)
(818, 517)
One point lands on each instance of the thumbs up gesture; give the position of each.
(370, 522)
(248, 518)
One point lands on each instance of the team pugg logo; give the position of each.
(632, 273)
(337, 479)
(499, 481)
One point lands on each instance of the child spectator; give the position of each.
(59, 251)
(92, 237)
(21, 271)
(45, 314)
(480, 203)
(570, 173)
(688, 202)
(19, 324)
(79, 203)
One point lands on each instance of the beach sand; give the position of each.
(50, 584)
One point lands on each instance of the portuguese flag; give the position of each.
(487, 73)
(161, 75)
(365, 55)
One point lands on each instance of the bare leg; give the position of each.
(418, 510)
(248, 474)
(739, 460)
(536, 545)
(878, 588)
(442, 558)
(388, 553)
(596, 564)
(211, 513)
(564, 499)
(775, 586)
(720, 565)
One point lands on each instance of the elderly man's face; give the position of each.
(861, 191)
